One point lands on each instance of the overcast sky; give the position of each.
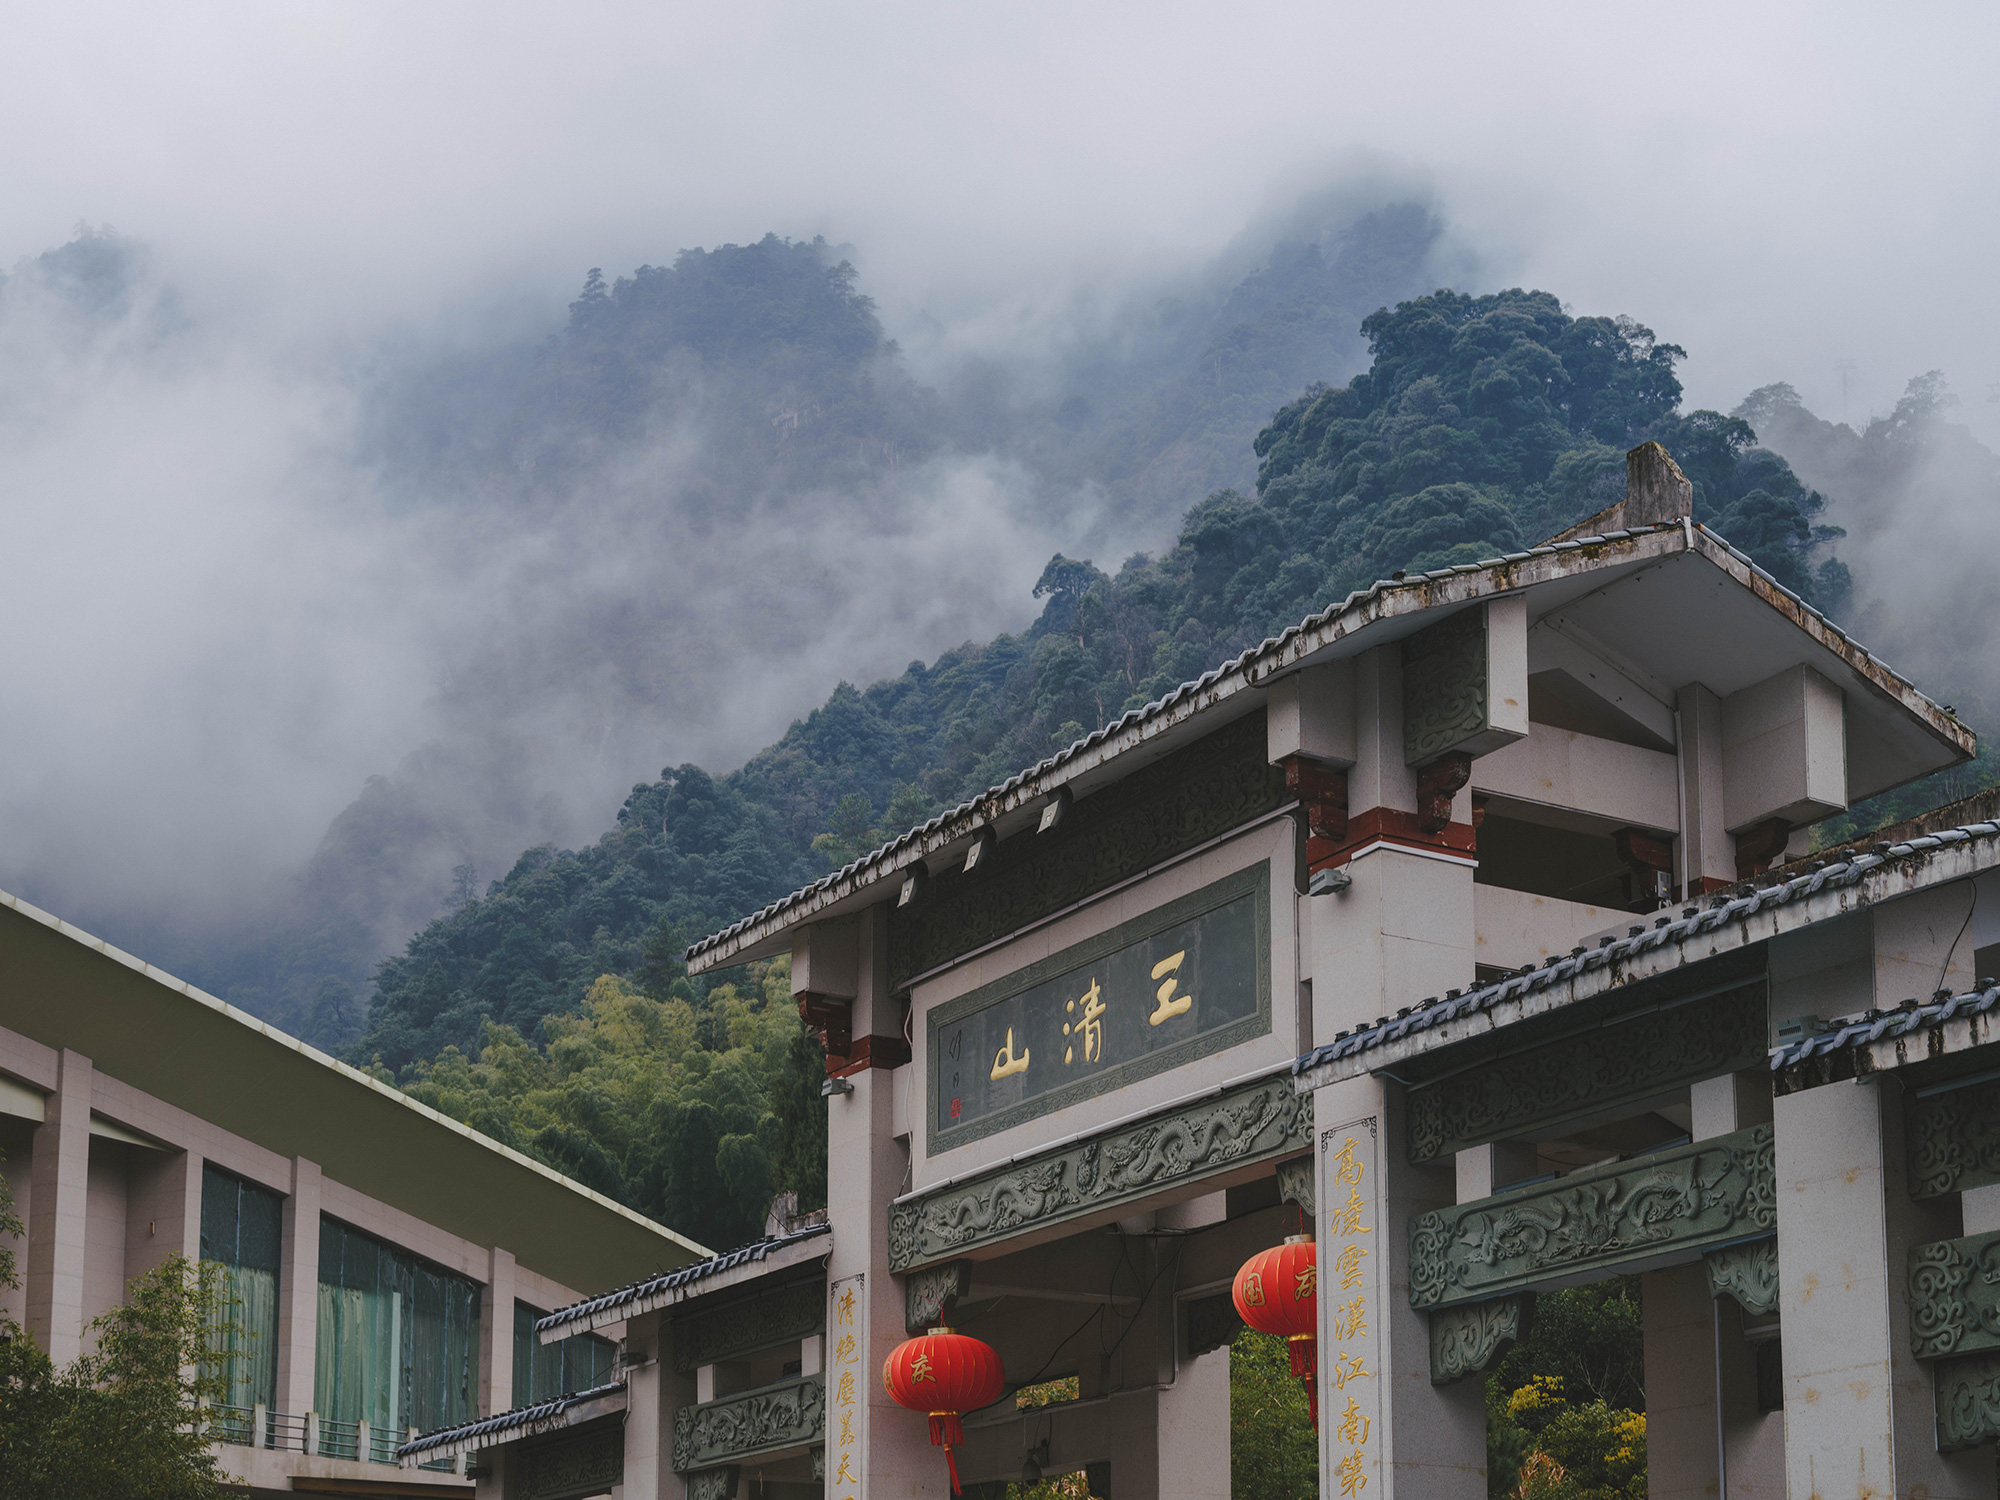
(219, 632)
(1779, 187)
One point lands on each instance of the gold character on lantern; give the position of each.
(1253, 1289)
(1348, 1264)
(1308, 1284)
(1005, 1063)
(1088, 1028)
(1169, 1005)
(920, 1368)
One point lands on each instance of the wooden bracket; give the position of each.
(1323, 791)
(831, 1019)
(1437, 783)
(1759, 847)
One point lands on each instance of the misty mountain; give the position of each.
(1480, 424)
(727, 452)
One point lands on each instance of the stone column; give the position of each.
(59, 1178)
(653, 1394)
(1194, 1429)
(865, 1172)
(1680, 1384)
(1379, 1413)
(164, 1217)
(1859, 1414)
(496, 1329)
(298, 1290)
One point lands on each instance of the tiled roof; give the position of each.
(701, 1270)
(480, 1434)
(1873, 1026)
(1274, 647)
(1722, 911)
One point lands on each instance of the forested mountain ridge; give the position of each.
(1470, 435)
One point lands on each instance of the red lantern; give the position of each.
(946, 1374)
(1277, 1291)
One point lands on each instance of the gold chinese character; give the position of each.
(1088, 1027)
(846, 1474)
(1005, 1063)
(847, 1305)
(844, 1393)
(1253, 1289)
(844, 1352)
(1350, 1318)
(1353, 1425)
(920, 1369)
(1168, 1006)
(1348, 1264)
(1308, 1284)
(1352, 1480)
(1346, 1165)
(1346, 1367)
(847, 1428)
(1346, 1219)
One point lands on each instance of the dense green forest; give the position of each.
(1481, 424)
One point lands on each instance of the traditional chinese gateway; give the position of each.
(1469, 927)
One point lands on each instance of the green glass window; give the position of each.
(398, 1338)
(581, 1362)
(241, 1231)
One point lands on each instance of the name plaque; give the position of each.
(1184, 980)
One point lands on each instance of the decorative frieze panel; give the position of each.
(1689, 1198)
(1295, 1184)
(792, 1415)
(1955, 1140)
(1444, 686)
(1955, 1296)
(713, 1484)
(930, 1295)
(743, 1327)
(1467, 1340)
(1220, 782)
(1748, 1272)
(1967, 1392)
(1254, 1123)
(1579, 1074)
(565, 1468)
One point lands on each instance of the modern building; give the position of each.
(1472, 924)
(387, 1263)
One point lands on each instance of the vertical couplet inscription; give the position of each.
(1190, 977)
(1351, 1275)
(847, 1368)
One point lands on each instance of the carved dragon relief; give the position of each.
(791, 1415)
(1747, 1272)
(1264, 1119)
(1687, 1197)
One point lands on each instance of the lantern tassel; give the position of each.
(946, 1429)
(1305, 1355)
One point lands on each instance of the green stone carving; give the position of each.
(713, 1484)
(588, 1462)
(1955, 1296)
(1257, 1122)
(1954, 1140)
(732, 1428)
(1467, 1340)
(1581, 1073)
(1218, 783)
(1967, 1393)
(1444, 686)
(930, 1295)
(1693, 1197)
(1747, 1272)
(1295, 1184)
(749, 1324)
